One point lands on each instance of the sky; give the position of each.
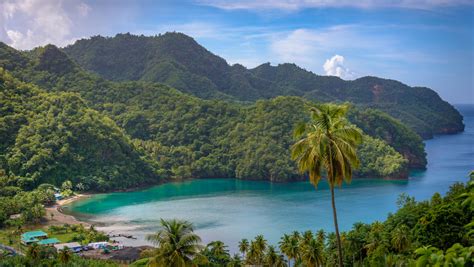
(418, 42)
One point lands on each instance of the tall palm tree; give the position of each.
(271, 257)
(243, 246)
(289, 245)
(312, 253)
(254, 254)
(260, 246)
(177, 244)
(321, 236)
(260, 242)
(307, 236)
(328, 142)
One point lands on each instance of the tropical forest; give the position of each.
(241, 137)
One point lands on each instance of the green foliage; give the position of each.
(49, 259)
(179, 61)
(175, 136)
(57, 136)
(177, 243)
(62, 139)
(30, 205)
(373, 164)
(77, 233)
(381, 126)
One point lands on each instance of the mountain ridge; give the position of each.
(184, 136)
(179, 61)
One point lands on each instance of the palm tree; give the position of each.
(428, 256)
(328, 142)
(243, 246)
(307, 236)
(401, 238)
(312, 253)
(321, 236)
(271, 257)
(218, 253)
(289, 245)
(177, 244)
(260, 242)
(218, 248)
(260, 247)
(254, 254)
(65, 255)
(280, 261)
(235, 261)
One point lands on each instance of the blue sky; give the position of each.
(421, 43)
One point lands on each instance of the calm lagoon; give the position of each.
(230, 209)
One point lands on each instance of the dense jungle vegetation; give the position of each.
(175, 135)
(179, 61)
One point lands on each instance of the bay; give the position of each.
(229, 209)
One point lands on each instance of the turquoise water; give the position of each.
(229, 209)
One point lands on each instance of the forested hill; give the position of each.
(180, 62)
(50, 138)
(163, 132)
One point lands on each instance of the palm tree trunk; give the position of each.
(339, 247)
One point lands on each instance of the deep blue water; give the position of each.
(229, 209)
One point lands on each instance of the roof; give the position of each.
(49, 241)
(30, 236)
(15, 216)
(69, 245)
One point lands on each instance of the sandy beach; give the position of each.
(54, 215)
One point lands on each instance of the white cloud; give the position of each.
(30, 23)
(292, 5)
(368, 48)
(297, 46)
(335, 67)
(83, 9)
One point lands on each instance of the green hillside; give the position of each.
(180, 62)
(176, 135)
(50, 138)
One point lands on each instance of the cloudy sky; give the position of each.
(419, 42)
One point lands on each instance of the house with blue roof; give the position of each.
(49, 242)
(33, 237)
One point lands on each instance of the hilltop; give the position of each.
(177, 60)
(172, 134)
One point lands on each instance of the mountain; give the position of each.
(180, 62)
(50, 138)
(183, 136)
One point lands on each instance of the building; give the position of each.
(98, 245)
(33, 237)
(48, 242)
(74, 246)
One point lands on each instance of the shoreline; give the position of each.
(56, 216)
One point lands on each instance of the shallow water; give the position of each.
(229, 209)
